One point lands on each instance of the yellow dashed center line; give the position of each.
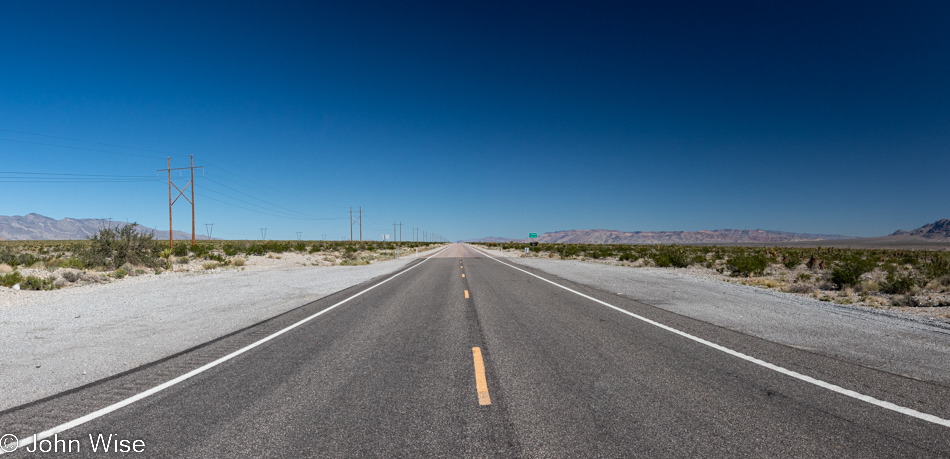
(481, 385)
(466, 294)
(463, 274)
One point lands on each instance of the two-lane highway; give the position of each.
(463, 355)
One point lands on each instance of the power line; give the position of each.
(84, 141)
(79, 148)
(261, 200)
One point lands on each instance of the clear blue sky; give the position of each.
(481, 119)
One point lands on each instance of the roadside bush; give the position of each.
(743, 264)
(11, 279)
(36, 283)
(180, 250)
(200, 250)
(627, 256)
(849, 271)
(230, 249)
(670, 256)
(119, 273)
(791, 260)
(113, 247)
(894, 284)
(73, 262)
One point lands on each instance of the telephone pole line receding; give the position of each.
(181, 193)
(209, 227)
(263, 234)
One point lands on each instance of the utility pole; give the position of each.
(351, 223)
(181, 193)
(263, 234)
(361, 223)
(209, 227)
(298, 235)
(400, 231)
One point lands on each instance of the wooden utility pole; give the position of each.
(181, 193)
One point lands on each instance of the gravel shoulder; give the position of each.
(893, 341)
(57, 340)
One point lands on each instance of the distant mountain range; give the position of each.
(939, 230)
(601, 236)
(39, 227)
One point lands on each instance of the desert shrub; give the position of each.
(569, 250)
(238, 262)
(210, 265)
(201, 250)
(905, 300)
(627, 256)
(73, 262)
(300, 247)
(128, 268)
(256, 249)
(11, 279)
(119, 273)
(799, 288)
(180, 250)
(869, 286)
(216, 257)
(895, 284)
(36, 283)
(743, 264)
(670, 256)
(938, 266)
(182, 260)
(113, 247)
(849, 270)
(791, 260)
(231, 249)
(71, 276)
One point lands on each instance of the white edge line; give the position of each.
(826, 385)
(121, 404)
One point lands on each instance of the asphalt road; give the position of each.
(392, 372)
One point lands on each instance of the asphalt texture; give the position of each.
(391, 373)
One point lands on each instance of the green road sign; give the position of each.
(532, 234)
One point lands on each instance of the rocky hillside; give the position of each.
(39, 227)
(939, 230)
